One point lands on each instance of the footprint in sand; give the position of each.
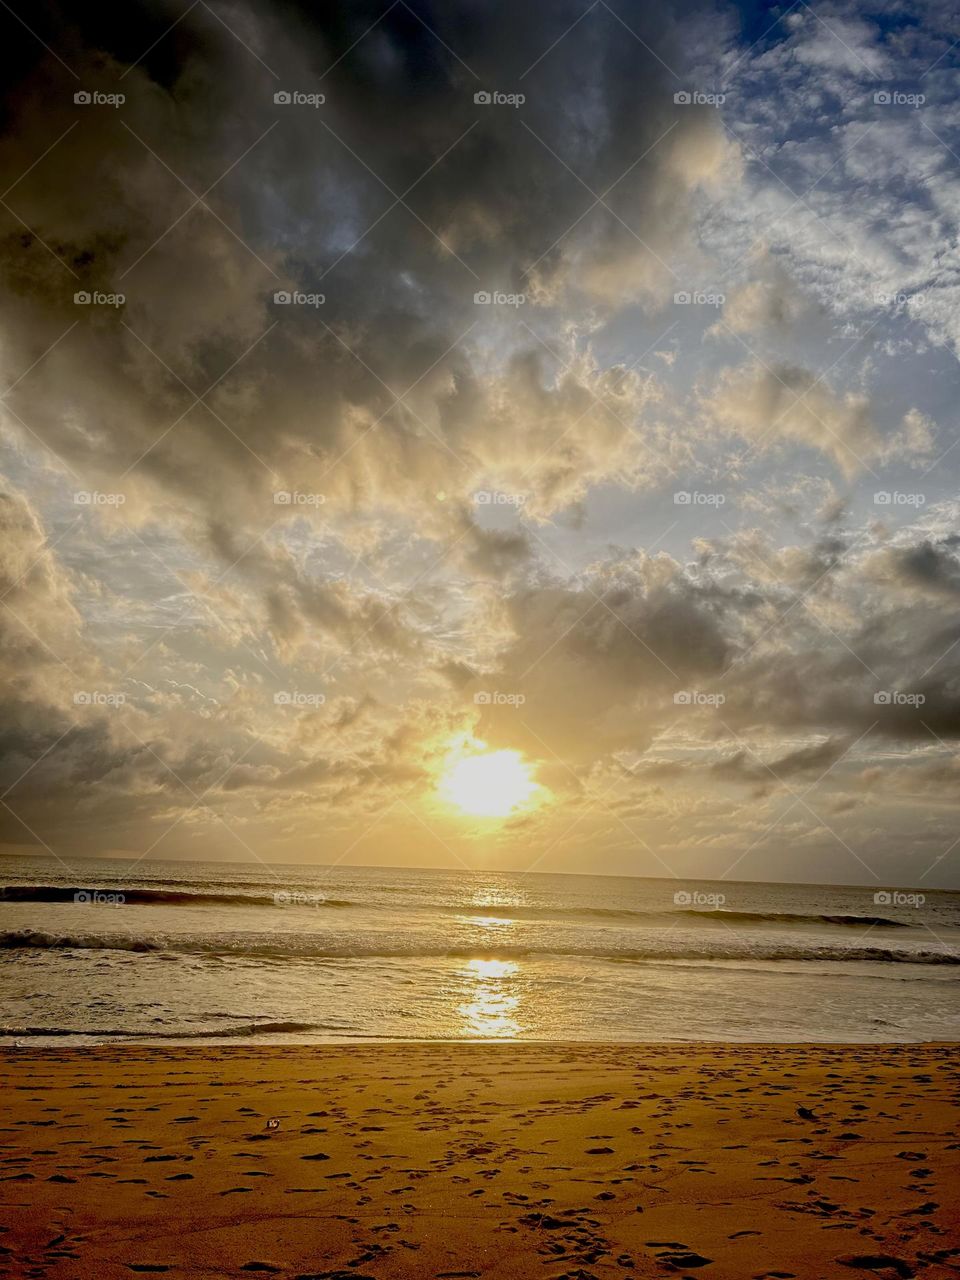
(678, 1255)
(883, 1263)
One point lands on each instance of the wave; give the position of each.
(203, 1033)
(652, 913)
(307, 897)
(169, 897)
(796, 917)
(310, 947)
(661, 912)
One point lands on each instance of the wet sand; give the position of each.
(459, 1161)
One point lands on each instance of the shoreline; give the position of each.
(506, 1159)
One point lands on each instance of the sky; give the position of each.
(571, 388)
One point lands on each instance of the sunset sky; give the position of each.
(498, 435)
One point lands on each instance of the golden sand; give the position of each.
(459, 1161)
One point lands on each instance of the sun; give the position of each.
(490, 784)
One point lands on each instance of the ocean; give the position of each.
(203, 952)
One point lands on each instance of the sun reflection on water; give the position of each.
(490, 1006)
(496, 924)
(495, 895)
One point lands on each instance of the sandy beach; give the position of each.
(416, 1160)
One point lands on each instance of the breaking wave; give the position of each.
(193, 1033)
(312, 947)
(284, 896)
(796, 917)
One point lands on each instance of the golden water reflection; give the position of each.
(501, 924)
(495, 895)
(491, 1002)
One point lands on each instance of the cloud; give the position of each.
(773, 405)
(596, 663)
(926, 568)
(397, 385)
(804, 762)
(38, 618)
(769, 302)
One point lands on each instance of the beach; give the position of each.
(465, 1160)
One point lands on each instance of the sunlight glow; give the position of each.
(493, 784)
(491, 1006)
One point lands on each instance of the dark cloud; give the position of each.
(309, 200)
(595, 664)
(928, 568)
(804, 762)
